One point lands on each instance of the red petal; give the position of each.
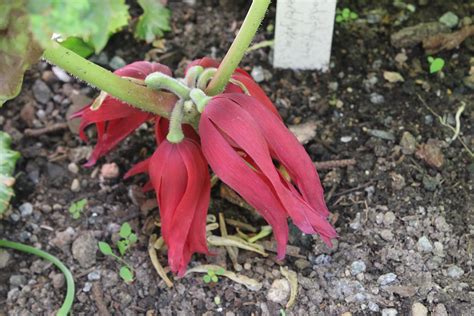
(141, 69)
(141, 167)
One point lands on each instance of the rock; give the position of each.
(75, 185)
(455, 272)
(440, 310)
(26, 209)
(93, 276)
(72, 167)
(386, 234)
(84, 249)
(27, 114)
(64, 238)
(418, 309)
(87, 287)
(393, 76)
(431, 183)
(398, 181)
(41, 91)
(408, 143)
(413, 35)
(61, 74)
(279, 291)
(109, 171)
(58, 280)
(302, 264)
(386, 279)
(388, 218)
(346, 139)
(79, 153)
(403, 291)
(389, 312)
(424, 245)
(431, 153)
(304, 132)
(469, 81)
(4, 258)
(449, 19)
(357, 267)
(438, 249)
(117, 62)
(441, 224)
(376, 98)
(257, 74)
(17, 280)
(373, 307)
(381, 134)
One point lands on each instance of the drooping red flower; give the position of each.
(239, 149)
(114, 119)
(181, 181)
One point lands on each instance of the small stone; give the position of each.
(373, 307)
(4, 258)
(386, 279)
(84, 249)
(346, 139)
(302, 264)
(431, 183)
(449, 19)
(41, 91)
(441, 224)
(63, 238)
(438, 249)
(75, 185)
(279, 291)
(109, 171)
(333, 86)
(418, 309)
(93, 276)
(393, 76)
(304, 132)
(117, 62)
(376, 98)
(247, 266)
(408, 143)
(27, 114)
(381, 134)
(455, 272)
(61, 74)
(428, 119)
(431, 154)
(440, 310)
(26, 209)
(72, 167)
(257, 74)
(357, 267)
(469, 81)
(17, 280)
(388, 218)
(389, 312)
(58, 280)
(386, 234)
(424, 244)
(87, 287)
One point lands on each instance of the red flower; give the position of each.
(181, 181)
(114, 119)
(239, 138)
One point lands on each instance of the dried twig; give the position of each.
(332, 164)
(156, 264)
(99, 300)
(232, 251)
(46, 130)
(447, 41)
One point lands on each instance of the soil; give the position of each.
(404, 212)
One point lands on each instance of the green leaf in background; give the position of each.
(126, 274)
(91, 20)
(154, 21)
(125, 230)
(105, 248)
(436, 64)
(18, 50)
(8, 160)
(78, 46)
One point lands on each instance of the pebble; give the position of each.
(58, 280)
(247, 266)
(279, 291)
(84, 249)
(373, 307)
(26, 209)
(72, 167)
(257, 74)
(93, 276)
(61, 74)
(449, 19)
(75, 185)
(381, 134)
(389, 312)
(440, 310)
(438, 249)
(117, 62)
(388, 218)
(302, 264)
(408, 143)
(109, 171)
(441, 224)
(424, 244)
(455, 272)
(17, 280)
(428, 119)
(418, 309)
(4, 258)
(15, 217)
(87, 287)
(63, 238)
(386, 234)
(346, 139)
(376, 98)
(386, 279)
(357, 267)
(41, 91)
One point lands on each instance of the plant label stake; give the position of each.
(303, 34)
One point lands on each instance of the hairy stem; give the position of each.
(141, 97)
(175, 134)
(239, 46)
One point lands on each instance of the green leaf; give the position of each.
(132, 238)
(122, 246)
(78, 46)
(436, 65)
(91, 20)
(217, 300)
(76, 208)
(354, 16)
(126, 274)
(339, 19)
(430, 59)
(214, 278)
(346, 12)
(206, 278)
(76, 215)
(220, 271)
(18, 49)
(8, 160)
(125, 230)
(154, 21)
(105, 248)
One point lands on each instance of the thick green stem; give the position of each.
(200, 99)
(175, 134)
(69, 299)
(239, 46)
(160, 103)
(159, 81)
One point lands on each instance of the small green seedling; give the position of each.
(128, 238)
(126, 271)
(436, 64)
(346, 15)
(282, 312)
(77, 207)
(217, 300)
(211, 275)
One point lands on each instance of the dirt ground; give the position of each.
(404, 212)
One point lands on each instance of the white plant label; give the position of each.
(303, 34)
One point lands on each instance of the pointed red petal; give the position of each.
(141, 167)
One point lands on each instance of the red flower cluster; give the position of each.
(243, 139)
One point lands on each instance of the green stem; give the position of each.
(175, 134)
(239, 46)
(69, 299)
(200, 99)
(159, 81)
(160, 103)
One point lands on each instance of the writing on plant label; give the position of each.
(303, 34)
